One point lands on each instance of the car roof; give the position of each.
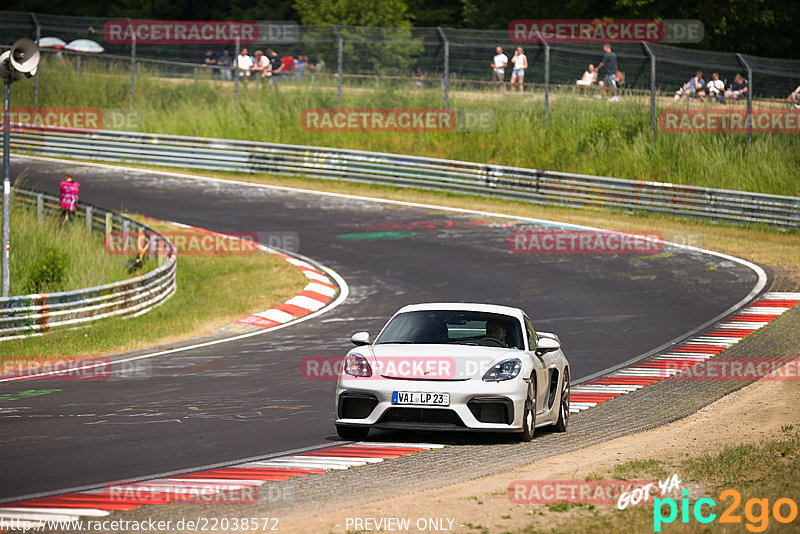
(464, 306)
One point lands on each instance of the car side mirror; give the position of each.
(360, 338)
(547, 344)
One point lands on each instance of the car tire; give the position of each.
(529, 413)
(563, 409)
(352, 433)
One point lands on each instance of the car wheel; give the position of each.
(563, 410)
(529, 413)
(352, 432)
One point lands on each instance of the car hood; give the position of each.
(435, 362)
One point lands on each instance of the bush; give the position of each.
(47, 272)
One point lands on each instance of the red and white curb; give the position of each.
(202, 485)
(685, 355)
(317, 294)
(319, 291)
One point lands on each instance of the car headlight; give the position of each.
(505, 370)
(357, 365)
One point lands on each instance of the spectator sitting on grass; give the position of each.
(587, 80)
(288, 65)
(694, 87)
(224, 62)
(737, 89)
(261, 65)
(716, 88)
(243, 63)
(300, 65)
(794, 97)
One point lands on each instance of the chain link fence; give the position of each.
(452, 63)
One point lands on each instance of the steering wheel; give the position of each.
(489, 341)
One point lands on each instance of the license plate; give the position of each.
(421, 398)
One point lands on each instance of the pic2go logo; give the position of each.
(756, 511)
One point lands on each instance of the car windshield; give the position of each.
(453, 327)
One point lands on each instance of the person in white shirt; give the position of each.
(520, 62)
(244, 63)
(587, 80)
(716, 88)
(499, 64)
(261, 64)
(794, 97)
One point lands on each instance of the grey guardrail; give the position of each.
(27, 315)
(530, 185)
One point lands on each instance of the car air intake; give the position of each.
(356, 405)
(492, 410)
(422, 415)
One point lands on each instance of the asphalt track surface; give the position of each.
(247, 398)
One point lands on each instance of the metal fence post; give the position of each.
(38, 37)
(89, 219)
(652, 56)
(40, 208)
(109, 222)
(741, 58)
(133, 62)
(446, 77)
(236, 73)
(340, 58)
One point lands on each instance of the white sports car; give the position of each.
(454, 366)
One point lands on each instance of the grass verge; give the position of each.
(212, 291)
(582, 135)
(57, 255)
(761, 473)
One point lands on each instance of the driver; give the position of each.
(495, 334)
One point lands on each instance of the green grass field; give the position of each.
(212, 291)
(583, 135)
(61, 256)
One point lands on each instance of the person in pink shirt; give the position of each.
(68, 197)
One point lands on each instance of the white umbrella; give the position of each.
(85, 45)
(51, 42)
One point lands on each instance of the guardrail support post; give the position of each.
(40, 209)
(89, 219)
(153, 247)
(446, 74)
(109, 223)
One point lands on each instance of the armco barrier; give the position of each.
(28, 315)
(530, 185)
